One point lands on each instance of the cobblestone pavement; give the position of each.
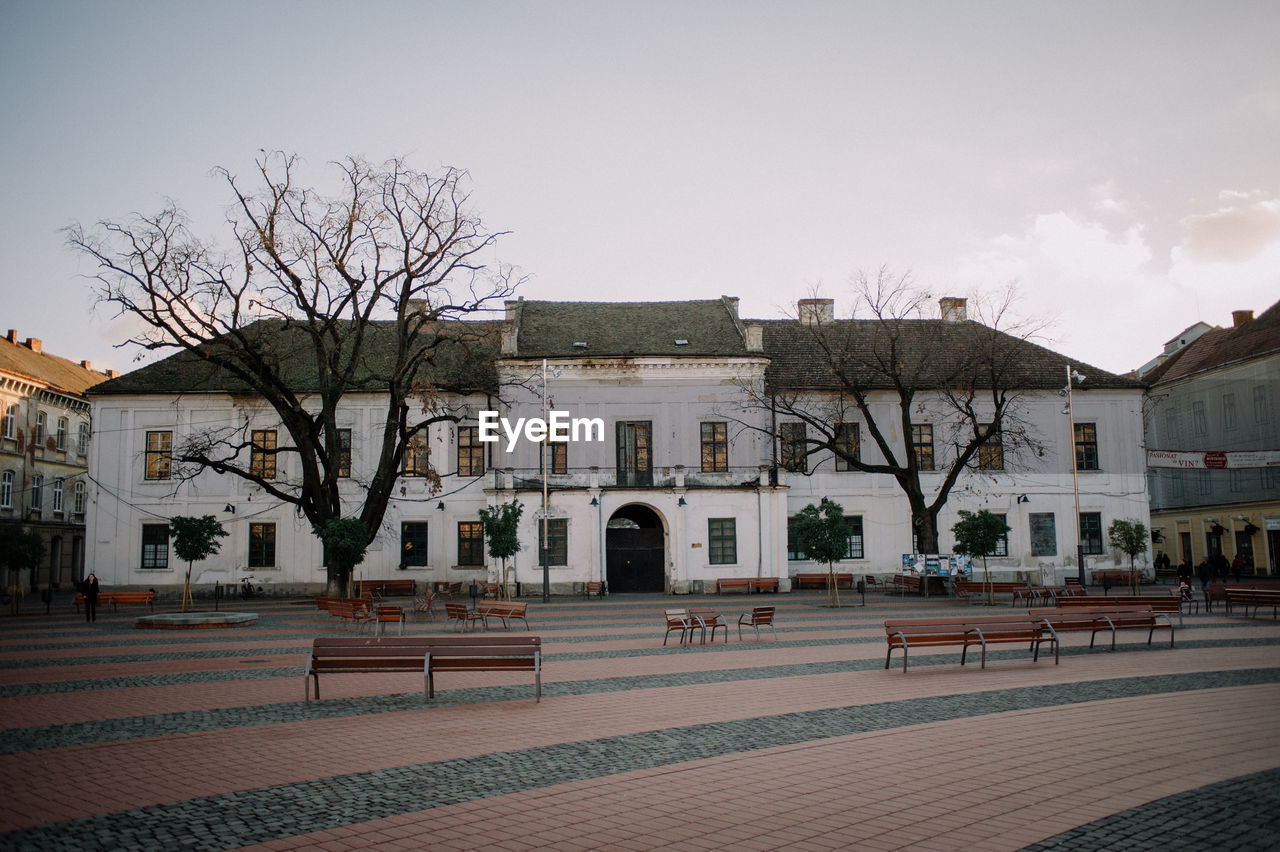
(117, 738)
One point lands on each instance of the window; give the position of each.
(155, 546)
(1198, 422)
(1204, 483)
(557, 458)
(1270, 478)
(557, 541)
(1237, 480)
(37, 493)
(722, 541)
(1228, 411)
(715, 447)
(262, 545)
(635, 453)
(854, 524)
(849, 443)
(1170, 428)
(1044, 534)
(159, 455)
(470, 543)
(417, 456)
(82, 441)
(1259, 406)
(1091, 533)
(78, 506)
(922, 445)
(6, 490)
(9, 423)
(991, 451)
(470, 454)
(1002, 546)
(792, 450)
(344, 453)
(57, 495)
(1086, 446)
(41, 420)
(793, 549)
(63, 428)
(413, 544)
(262, 453)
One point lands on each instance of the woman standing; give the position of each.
(90, 592)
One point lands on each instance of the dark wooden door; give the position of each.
(633, 559)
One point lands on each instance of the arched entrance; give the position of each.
(635, 550)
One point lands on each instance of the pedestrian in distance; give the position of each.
(90, 591)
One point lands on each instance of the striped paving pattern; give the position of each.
(116, 738)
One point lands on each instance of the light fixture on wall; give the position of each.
(681, 502)
(229, 508)
(440, 505)
(595, 501)
(1022, 498)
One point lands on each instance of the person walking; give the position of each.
(90, 591)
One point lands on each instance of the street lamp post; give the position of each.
(1070, 411)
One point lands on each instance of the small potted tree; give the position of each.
(823, 536)
(977, 534)
(194, 539)
(1129, 537)
(501, 525)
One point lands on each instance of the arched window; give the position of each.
(9, 422)
(37, 493)
(63, 427)
(78, 506)
(6, 490)
(57, 495)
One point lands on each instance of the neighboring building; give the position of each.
(1213, 435)
(672, 484)
(44, 452)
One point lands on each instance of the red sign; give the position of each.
(1215, 461)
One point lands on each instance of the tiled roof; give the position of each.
(464, 362)
(613, 329)
(1221, 346)
(58, 373)
(931, 347)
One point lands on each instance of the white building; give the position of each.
(674, 479)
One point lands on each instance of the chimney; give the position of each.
(86, 365)
(1239, 318)
(953, 309)
(111, 374)
(755, 337)
(13, 335)
(816, 311)
(34, 344)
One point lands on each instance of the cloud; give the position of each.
(1243, 226)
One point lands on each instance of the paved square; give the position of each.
(117, 738)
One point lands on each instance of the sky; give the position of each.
(1117, 163)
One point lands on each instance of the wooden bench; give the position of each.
(982, 630)
(505, 610)
(905, 582)
(448, 590)
(423, 654)
(1113, 618)
(819, 581)
(1164, 603)
(487, 654)
(354, 611)
(593, 587)
(404, 587)
(730, 584)
(765, 584)
(977, 589)
(465, 618)
(114, 599)
(388, 614)
(760, 616)
(1113, 577)
(1255, 598)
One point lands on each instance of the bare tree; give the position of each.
(318, 297)
(891, 373)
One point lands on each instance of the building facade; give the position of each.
(1213, 432)
(671, 478)
(44, 454)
